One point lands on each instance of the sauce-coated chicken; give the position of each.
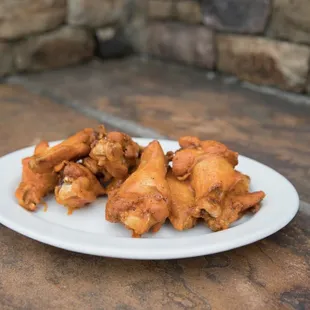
(142, 201)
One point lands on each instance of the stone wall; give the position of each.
(261, 41)
(45, 34)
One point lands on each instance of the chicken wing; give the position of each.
(211, 178)
(34, 186)
(210, 147)
(192, 150)
(78, 186)
(142, 202)
(210, 165)
(114, 155)
(114, 184)
(73, 148)
(182, 203)
(100, 172)
(221, 193)
(236, 203)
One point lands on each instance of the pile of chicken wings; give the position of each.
(145, 187)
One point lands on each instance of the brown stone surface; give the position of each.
(188, 11)
(95, 13)
(241, 16)
(269, 274)
(20, 18)
(192, 45)
(160, 9)
(134, 24)
(25, 119)
(59, 48)
(6, 59)
(263, 61)
(106, 33)
(290, 20)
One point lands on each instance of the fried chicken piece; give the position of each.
(115, 154)
(104, 177)
(73, 148)
(100, 172)
(182, 203)
(235, 204)
(78, 186)
(34, 186)
(114, 184)
(142, 202)
(211, 178)
(191, 151)
(210, 147)
(221, 193)
(210, 166)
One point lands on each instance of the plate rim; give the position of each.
(108, 250)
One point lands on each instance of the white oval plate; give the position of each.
(87, 231)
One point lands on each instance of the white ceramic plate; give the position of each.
(87, 231)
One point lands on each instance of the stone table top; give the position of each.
(155, 99)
